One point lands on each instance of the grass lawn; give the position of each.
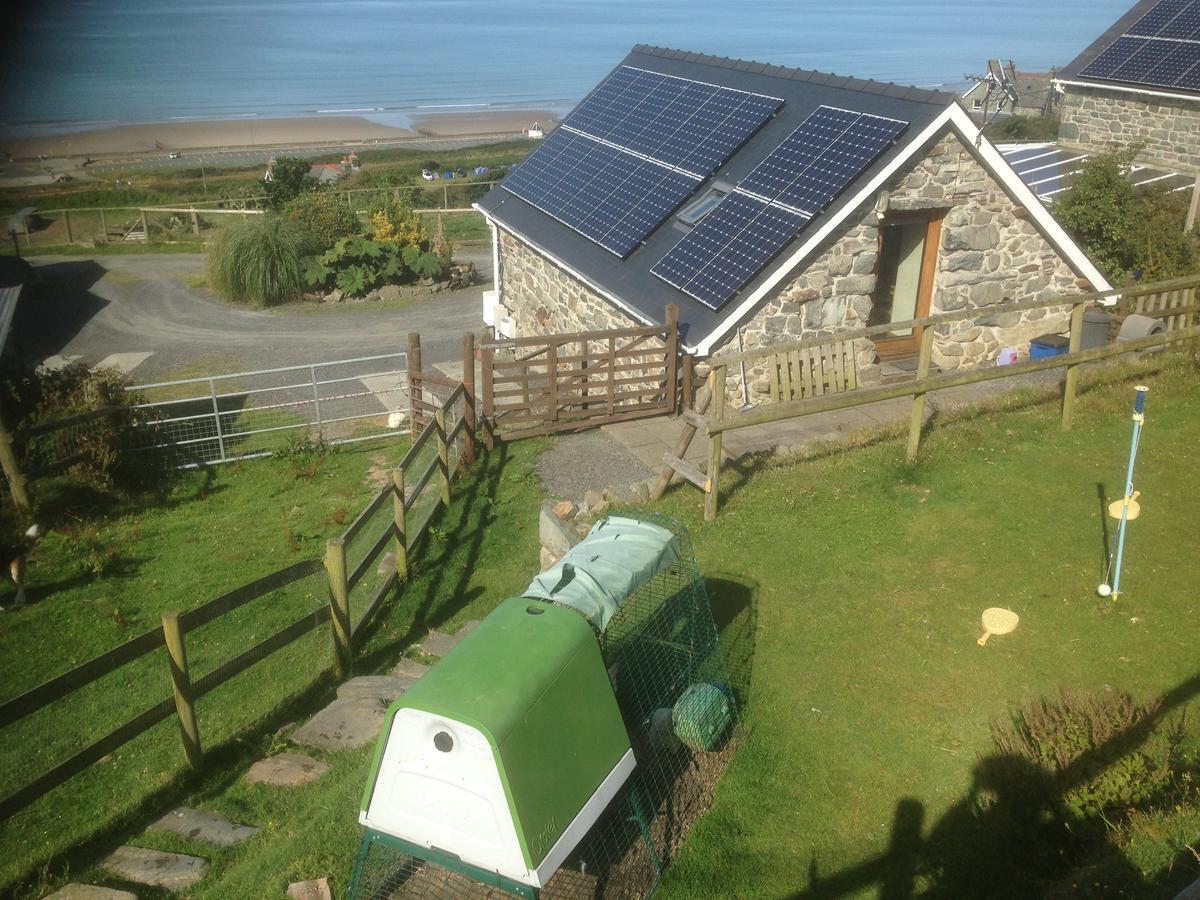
(861, 580)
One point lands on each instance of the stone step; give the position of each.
(439, 644)
(154, 868)
(90, 892)
(286, 770)
(379, 687)
(409, 670)
(315, 889)
(202, 825)
(343, 725)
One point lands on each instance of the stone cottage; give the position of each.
(1139, 83)
(834, 203)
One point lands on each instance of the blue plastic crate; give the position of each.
(1048, 345)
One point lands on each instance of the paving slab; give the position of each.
(380, 687)
(90, 892)
(343, 724)
(286, 770)
(409, 670)
(154, 868)
(202, 825)
(316, 889)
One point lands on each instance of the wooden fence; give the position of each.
(563, 382)
(450, 437)
(1174, 301)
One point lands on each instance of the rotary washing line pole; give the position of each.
(1126, 508)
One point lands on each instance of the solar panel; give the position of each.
(1161, 49)
(633, 150)
(772, 204)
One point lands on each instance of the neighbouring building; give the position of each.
(772, 204)
(1139, 83)
(1035, 94)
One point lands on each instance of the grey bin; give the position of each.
(1095, 329)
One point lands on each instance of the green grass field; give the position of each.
(860, 581)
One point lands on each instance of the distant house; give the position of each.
(828, 204)
(1139, 83)
(327, 173)
(1034, 90)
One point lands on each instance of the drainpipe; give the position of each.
(496, 261)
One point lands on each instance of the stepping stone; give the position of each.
(409, 670)
(286, 770)
(317, 889)
(343, 725)
(202, 825)
(173, 871)
(90, 892)
(438, 644)
(380, 687)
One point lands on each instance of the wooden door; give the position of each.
(908, 251)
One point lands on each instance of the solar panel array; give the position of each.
(772, 204)
(633, 151)
(1162, 49)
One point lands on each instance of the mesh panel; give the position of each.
(660, 643)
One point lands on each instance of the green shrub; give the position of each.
(1023, 128)
(1126, 229)
(357, 265)
(289, 179)
(1077, 741)
(393, 219)
(261, 260)
(325, 215)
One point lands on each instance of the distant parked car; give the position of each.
(174, 154)
(460, 173)
(428, 175)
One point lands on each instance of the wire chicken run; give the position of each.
(595, 779)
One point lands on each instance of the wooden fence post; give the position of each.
(1069, 380)
(17, 485)
(195, 223)
(468, 445)
(688, 399)
(673, 357)
(400, 516)
(485, 365)
(67, 224)
(443, 452)
(181, 686)
(716, 387)
(145, 226)
(103, 226)
(339, 603)
(552, 386)
(414, 381)
(917, 418)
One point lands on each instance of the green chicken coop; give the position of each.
(539, 756)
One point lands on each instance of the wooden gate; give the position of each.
(563, 382)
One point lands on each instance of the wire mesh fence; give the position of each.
(197, 421)
(678, 693)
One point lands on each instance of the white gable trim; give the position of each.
(495, 224)
(968, 132)
(1122, 89)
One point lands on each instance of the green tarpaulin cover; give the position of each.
(598, 574)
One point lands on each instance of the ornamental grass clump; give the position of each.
(261, 260)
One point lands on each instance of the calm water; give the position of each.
(99, 61)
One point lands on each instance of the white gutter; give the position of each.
(1058, 83)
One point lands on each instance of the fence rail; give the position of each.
(440, 449)
(1173, 301)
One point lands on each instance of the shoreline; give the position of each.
(267, 133)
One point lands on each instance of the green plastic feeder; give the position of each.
(506, 752)
(701, 716)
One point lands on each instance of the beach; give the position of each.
(242, 133)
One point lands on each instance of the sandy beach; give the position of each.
(264, 132)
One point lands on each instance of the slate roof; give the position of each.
(1071, 71)
(630, 279)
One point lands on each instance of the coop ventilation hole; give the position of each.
(443, 742)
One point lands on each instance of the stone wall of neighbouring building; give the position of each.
(990, 254)
(1095, 118)
(543, 299)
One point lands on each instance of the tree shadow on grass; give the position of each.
(1007, 837)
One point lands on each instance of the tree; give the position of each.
(289, 179)
(325, 215)
(261, 260)
(1125, 229)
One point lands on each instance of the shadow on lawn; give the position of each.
(999, 843)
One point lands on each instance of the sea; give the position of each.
(76, 64)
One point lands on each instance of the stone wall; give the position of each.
(990, 254)
(543, 299)
(1095, 118)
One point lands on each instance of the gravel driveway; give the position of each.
(141, 312)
